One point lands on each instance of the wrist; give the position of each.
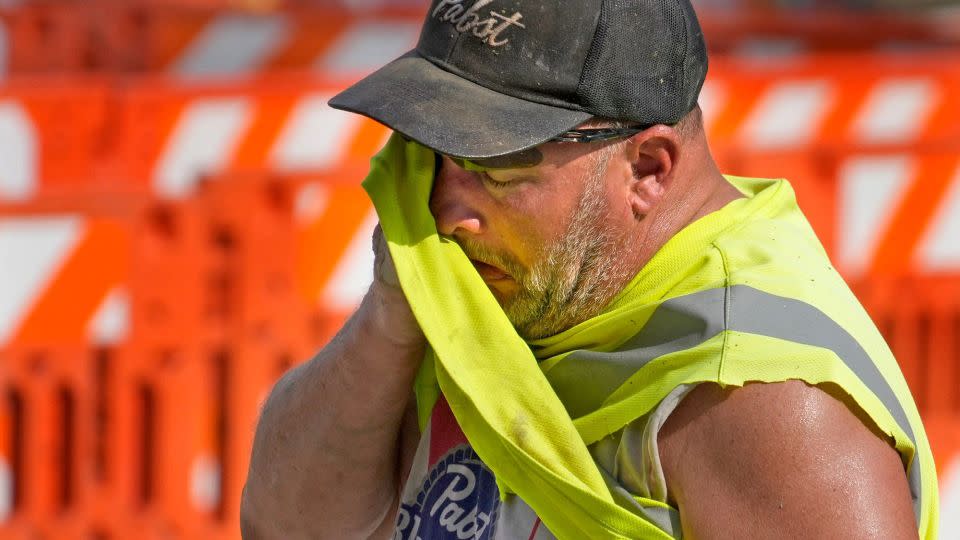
(389, 317)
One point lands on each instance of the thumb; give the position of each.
(384, 269)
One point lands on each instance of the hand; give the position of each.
(391, 312)
(384, 271)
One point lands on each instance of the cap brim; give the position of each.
(450, 114)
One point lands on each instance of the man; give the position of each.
(703, 371)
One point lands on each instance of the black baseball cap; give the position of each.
(493, 77)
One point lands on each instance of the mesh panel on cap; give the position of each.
(645, 62)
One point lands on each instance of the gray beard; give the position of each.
(577, 276)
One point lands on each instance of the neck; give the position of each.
(696, 194)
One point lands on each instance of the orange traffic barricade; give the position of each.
(56, 130)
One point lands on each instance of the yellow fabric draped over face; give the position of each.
(488, 374)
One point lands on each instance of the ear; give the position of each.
(653, 155)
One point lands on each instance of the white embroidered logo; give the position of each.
(468, 20)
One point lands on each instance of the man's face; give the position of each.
(545, 239)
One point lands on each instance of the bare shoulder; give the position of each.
(784, 460)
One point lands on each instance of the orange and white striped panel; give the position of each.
(366, 45)
(365, 36)
(895, 111)
(215, 133)
(314, 137)
(758, 104)
(785, 111)
(50, 137)
(19, 151)
(334, 255)
(234, 44)
(63, 280)
(939, 248)
(899, 213)
(203, 139)
(787, 115)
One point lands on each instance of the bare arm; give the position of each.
(334, 436)
(782, 460)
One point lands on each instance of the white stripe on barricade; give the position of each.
(314, 136)
(205, 482)
(950, 500)
(232, 44)
(6, 489)
(110, 324)
(19, 152)
(769, 48)
(367, 45)
(202, 142)
(940, 249)
(311, 202)
(712, 96)
(32, 249)
(895, 112)
(870, 188)
(788, 115)
(354, 271)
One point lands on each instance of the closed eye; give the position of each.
(494, 183)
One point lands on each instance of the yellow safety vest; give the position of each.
(745, 294)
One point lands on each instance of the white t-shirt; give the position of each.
(451, 494)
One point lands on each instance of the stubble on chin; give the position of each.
(576, 277)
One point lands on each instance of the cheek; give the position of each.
(522, 233)
(613, 202)
(537, 218)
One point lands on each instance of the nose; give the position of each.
(453, 202)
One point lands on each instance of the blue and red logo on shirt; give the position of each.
(459, 498)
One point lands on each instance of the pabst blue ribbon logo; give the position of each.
(459, 500)
(471, 18)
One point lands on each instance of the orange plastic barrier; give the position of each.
(65, 284)
(160, 136)
(188, 42)
(170, 136)
(192, 310)
(780, 32)
(54, 131)
(810, 102)
(113, 442)
(203, 38)
(48, 400)
(190, 242)
(45, 38)
(920, 319)
(191, 44)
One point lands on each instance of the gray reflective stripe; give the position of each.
(682, 323)
(677, 325)
(756, 312)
